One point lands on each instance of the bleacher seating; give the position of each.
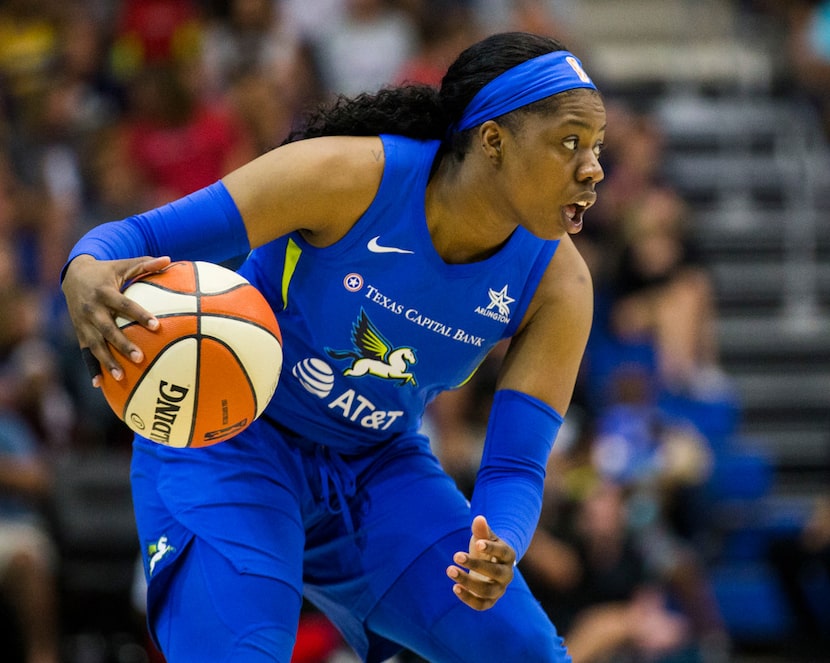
(754, 164)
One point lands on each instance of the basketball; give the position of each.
(212, 365)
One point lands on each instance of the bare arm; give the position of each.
(544, 357)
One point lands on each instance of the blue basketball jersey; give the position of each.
(375, 325)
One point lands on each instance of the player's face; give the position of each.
(554, 172)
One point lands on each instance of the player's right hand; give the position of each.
(93, 291)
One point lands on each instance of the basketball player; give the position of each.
(399, 237)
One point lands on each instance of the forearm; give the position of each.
(520, 435)
(205, 225)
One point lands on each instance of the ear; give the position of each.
(491, 138)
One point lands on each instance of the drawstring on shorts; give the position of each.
(337, 480)
(335, 474)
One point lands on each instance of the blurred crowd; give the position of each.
(108, 108)
(806, 46)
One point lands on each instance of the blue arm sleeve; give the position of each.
(206, 225)
(520, 434)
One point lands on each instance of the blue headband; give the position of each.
(525, 83)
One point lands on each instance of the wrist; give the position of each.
(76, 260)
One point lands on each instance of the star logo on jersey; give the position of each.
(499, 307)
(373, 354)
(353, 282)
(500, 300)
(375, 247)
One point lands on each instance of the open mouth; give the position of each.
(573, 214)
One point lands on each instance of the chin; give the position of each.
(548, 233)
(548, 228)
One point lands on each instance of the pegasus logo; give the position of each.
(374, 355)
(158, 551)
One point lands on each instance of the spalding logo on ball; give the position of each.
(210, 368)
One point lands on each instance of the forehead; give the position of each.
(580, 107)
(570, 110)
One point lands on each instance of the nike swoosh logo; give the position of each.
(374, 247)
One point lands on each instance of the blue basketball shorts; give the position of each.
(234, 535)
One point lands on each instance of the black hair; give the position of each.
(421, 111)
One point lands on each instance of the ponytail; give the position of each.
(422, 112)
(411, 110)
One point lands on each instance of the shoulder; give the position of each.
(566, 286)
(335, 152)
(564, 302)
(320, 186)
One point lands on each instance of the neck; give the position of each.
(462, 216)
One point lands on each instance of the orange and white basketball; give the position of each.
(212, 365)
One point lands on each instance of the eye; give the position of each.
(598, 148)
(571, 143)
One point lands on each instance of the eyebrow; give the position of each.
(583, 124)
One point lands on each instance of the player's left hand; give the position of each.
(483, 573)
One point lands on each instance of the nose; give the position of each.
(589, 169)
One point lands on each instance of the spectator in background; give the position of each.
(29, 43)
(799, 560)
(255, 43)
(663, 462)
(546, 16)
(30, 34)
(26, 355)
(662, 293)
(366, 50)
(154, 32)
(265, 111)
(27, 377)
(177, 141)
(25, 232)
(585, 566)
(445, 28)
(656, 300)
(807, 48)
(40, 397)
(27, 555)
(115, 187)
(302, 17)
(616, 543)
(48, 144)
(92, 97)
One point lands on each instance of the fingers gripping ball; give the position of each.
(210, 368)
